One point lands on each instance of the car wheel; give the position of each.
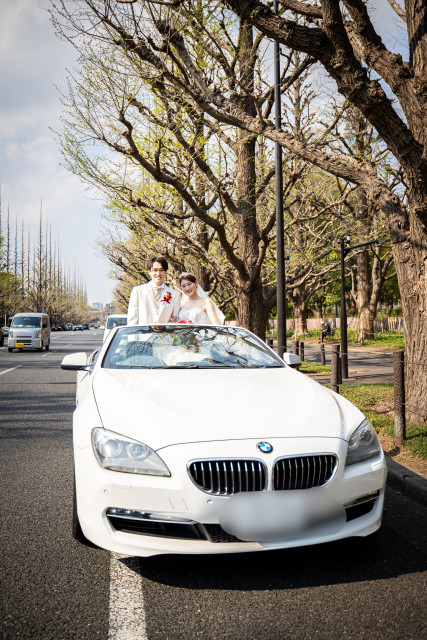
(77, 530)
(10, 349)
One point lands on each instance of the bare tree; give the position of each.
(343, 39)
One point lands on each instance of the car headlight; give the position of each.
(10, 334)
(118, 453)
(363, 444)
(37, 334)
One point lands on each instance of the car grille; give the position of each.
(217, 534)
(24, 339)
(225, 477)
(303, 472)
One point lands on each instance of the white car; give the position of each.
(200, 439)
(113, 321)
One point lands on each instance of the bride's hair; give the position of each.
(186, 276)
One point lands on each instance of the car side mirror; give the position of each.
(75, 362)
(292, 360)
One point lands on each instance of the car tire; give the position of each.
(77, 530)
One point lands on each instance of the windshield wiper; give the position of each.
(201, 366)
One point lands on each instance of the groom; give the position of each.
(147, 301)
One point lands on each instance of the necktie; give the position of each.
(158, 290)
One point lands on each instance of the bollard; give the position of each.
(301, 351)
(340, 363)
(399, 396)
(295, 347)
(322, 354)
(335, 368)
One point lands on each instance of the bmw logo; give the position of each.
(265, 447)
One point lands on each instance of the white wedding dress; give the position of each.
(195, 316)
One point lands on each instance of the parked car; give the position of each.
(200, 439)
(116, 320)
(77, 327)
(29, 331)
(85, 326)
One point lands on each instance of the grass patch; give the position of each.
(376, 402)
(314, 367)
(390, 340)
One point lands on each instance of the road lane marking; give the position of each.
(127, 613)
(7, 370)
(49, 352)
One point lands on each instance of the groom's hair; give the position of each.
(162, 261)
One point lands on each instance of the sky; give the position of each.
(33, 61)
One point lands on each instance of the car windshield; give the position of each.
(26, 321)
(187, 347)
(116, 322)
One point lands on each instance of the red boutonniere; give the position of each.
(166, 298)
(185, 322)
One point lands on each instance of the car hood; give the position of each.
(172, 406)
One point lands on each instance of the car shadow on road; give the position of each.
(390, 552)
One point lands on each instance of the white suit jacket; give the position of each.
(142, 305)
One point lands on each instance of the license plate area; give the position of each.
(20, 345)
(266, 516)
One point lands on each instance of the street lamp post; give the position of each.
(280, 242)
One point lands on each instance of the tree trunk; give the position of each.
(250, 310)
(299, 300)
(366, 323)
(365, 308)
(250, 302)
(410, 258)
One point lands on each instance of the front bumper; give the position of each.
(28, 343)
(148, 515)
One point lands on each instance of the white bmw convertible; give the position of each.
(200, 439)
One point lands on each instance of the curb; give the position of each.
(407, 482)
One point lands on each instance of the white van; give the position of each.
(29, 331)
(114, 321)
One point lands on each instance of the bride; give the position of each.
(196, 306)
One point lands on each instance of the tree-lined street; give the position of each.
(52, 587)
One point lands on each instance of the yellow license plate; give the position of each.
(19, 345)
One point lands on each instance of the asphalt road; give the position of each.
(54, 588)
